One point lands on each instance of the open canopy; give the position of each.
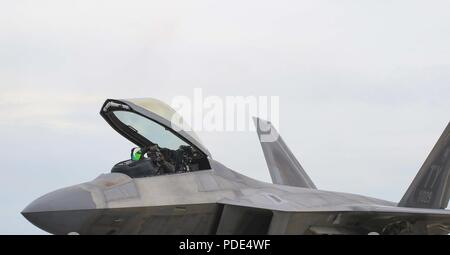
(148, 121)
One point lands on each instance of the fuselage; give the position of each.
(171, 185)
(185, 203)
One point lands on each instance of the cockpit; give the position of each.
(160, 149)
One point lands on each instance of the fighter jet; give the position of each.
(172, 185)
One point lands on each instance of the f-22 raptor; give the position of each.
(172, 185)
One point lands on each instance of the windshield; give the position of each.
(151, 130)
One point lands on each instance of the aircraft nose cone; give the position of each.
(61, 211)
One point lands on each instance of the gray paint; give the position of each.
(284, 168)
(431, 186)
(222, 201)
(66, 199)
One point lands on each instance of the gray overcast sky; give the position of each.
(364, 85)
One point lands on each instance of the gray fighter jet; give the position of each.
(171, 185)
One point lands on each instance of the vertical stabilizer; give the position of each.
(283, 166)
(431, 186)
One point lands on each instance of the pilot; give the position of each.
(159, 159)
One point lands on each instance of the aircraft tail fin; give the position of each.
(283, 166)
(431, 186)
